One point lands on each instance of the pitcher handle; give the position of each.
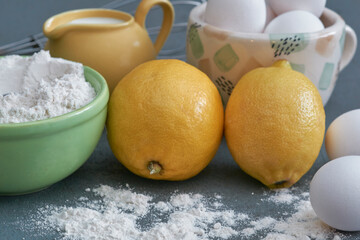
(167, 22)
(349, 47)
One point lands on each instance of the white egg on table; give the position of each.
(295, 22)
(316, 7)
(343, 135)
(335, 193)
(236, 15)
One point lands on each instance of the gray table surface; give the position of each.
(20, 18)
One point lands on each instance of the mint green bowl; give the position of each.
(35, 155)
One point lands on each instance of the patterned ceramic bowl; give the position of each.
(226, 56)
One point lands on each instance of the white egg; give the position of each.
(294, 22)
(343, 135)
(335, 193)
(316, 7)
(270, 15)
(236, 15)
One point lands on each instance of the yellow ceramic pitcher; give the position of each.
(110, 41)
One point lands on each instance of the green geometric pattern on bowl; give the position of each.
(225, 85)
(285, 44)
(225, 58)
(326, 76)
(342, 41)
(298, 67)
(196, 45)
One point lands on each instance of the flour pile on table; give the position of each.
(124, 214)
(40, 87)
(116, 216)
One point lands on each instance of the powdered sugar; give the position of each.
(120, 213)
(40, 87)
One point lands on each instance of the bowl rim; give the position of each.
(99, 102)
(196, 16)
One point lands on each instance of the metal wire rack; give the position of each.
(36, 42)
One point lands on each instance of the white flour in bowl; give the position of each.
(123, 214)
(40, 87)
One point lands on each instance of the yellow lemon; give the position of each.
(275, 124)
(165, 120)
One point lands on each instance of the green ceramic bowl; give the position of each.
(35, 155)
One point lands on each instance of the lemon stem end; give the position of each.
(281, 184)
(282, 64)
(154, 167)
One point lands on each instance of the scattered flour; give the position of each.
(260, 224)
(40, 87)
(119, 214)
(283, 196)
(303, 224)
(124, 199)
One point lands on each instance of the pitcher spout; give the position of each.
(52, 29)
